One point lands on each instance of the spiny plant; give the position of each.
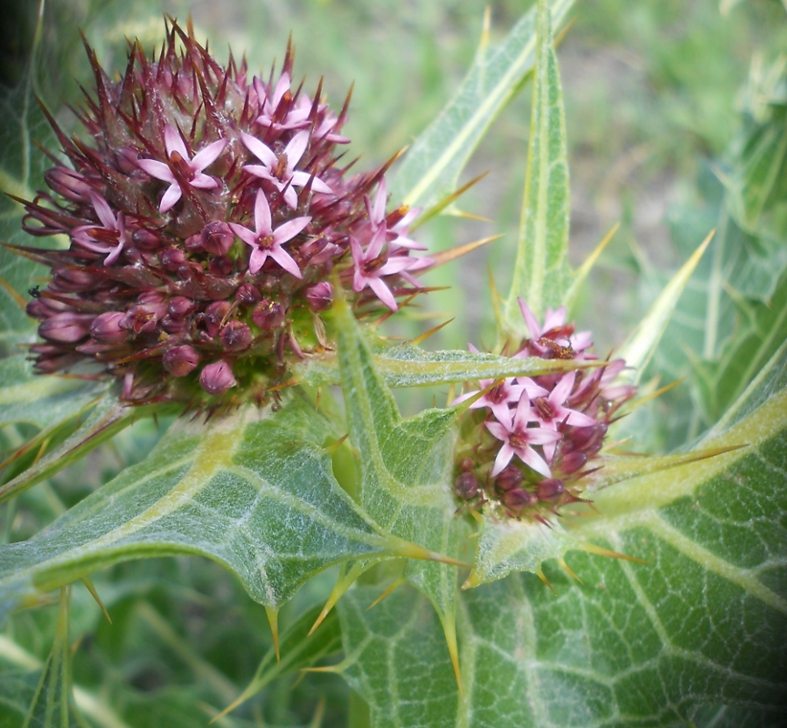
(217, 265)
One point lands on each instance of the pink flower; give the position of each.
(556, 329)
(280, 171)
(107, 239)
(550, 411)
(517, 439)
(371, 264)
(181, 167)
(266, 241)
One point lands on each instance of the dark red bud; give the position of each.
(217, 238)
(145, 239)
(181, 360)
(221, 265)
(193, 243)
(65, 328)
(466, 465)
(466, 485)
(572, 461)
(236, 336)
(509, 478)
(172, 259)
(214, 315)
(517, 499)
(72, 280)
(217, 378)
(68, 183)
(107, 328)
(180, 307)
(320, 296)
(247, 294)
(550, 489)
(268, 315)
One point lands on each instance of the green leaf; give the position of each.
(692, 637)
(51, 704)
(410, 366)
(541, 272)
(432, 165)
(254, 492)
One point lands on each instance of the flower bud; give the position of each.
(509, 478)
(172, 259)
(550, 489)
(217, 238)
(466, 485)
(213, 316)
(572, 461)
(145, 239)
(221, 265)
(180, 360)
(107, 328)
(517, 499)
(217, 378)
(65, 328)
(179, 307)
(247, 294)
(466, 465)
(68, 183)
(236, 336)
(268, 315)
(320, 296)
(73, 280)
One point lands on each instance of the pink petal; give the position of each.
(103, 210)
(498, 430)
(534, 460)
(575, 419)
(259, 150)
(503, 458)
(208, 155)
(357, 252)
(257, 260)
(159, 170)
(174, 143)
(258, 171)
(562, 389)
(262, 214)
(246, 235)
(204, 182)
(395, 265)
(290, 196)
(295, 148)
(530, 320)
(383, 292)
(171, 196)
(290, 229)
(379, 202)
(285, 260)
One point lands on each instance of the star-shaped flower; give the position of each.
(555, 329)
(111, 238)
(517, 439)
(280, 171)
(181, 168)
(372, 264)
(265, 241)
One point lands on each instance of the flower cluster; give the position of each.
(209, 217)
(529, 441)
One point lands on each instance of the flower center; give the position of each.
(265, 242)
(518, 440)
(544, 408)
(372, 266)
(182, 166)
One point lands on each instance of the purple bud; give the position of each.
(236, 336)
(181, 360)
(107, 328)
(213, 316)
(588, 439)
(179, 307)
(217, 238)
(517, 499)
(268, 315)
(572, 461)
(65, 328)
(320, 296)
(193, 243)
(145, 239)
(221, 265)
(466, 485)
(172, 259)
(72, 280)
(550, 489)
(174, 326)
(466, 465)
(247, 294)
(217, 378)
(509, 478)
(68, 183)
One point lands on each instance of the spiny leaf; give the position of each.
(541, 272)
(433, 163)
(253, 492)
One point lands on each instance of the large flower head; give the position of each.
(209, 221)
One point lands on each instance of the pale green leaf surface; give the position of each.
(432, 165)
(405, 465)
(541, 272)
(410, 366)
(693, 637)
(253, 492)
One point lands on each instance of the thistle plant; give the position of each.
(195, 274)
